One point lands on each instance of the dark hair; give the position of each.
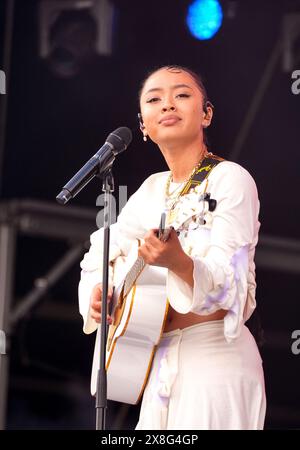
(196, 77)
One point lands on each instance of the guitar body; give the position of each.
(138, 322)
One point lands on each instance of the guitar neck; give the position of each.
(133, 274)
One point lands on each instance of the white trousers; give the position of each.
(199, 381)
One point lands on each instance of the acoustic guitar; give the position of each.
(139, 309)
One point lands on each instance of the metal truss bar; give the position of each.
(256, 101)
(290, 33)
(42, 285)
(7, 51)
(7, 254)
(278, 253)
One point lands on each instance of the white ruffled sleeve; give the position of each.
(221, 275)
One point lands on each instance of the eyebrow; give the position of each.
(175, 86)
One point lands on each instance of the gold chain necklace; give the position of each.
(180, 185)
(185, 182)
(170, 201)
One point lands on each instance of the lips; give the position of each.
(169, 120)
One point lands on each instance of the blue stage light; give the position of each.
(204, 18)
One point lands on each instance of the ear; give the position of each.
(141, 123)
(207, 115)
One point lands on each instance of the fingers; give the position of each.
(97, 317)
(96, 302)
(161, 253)
(154, 244)
(174, 234)
(96, 294)
(151, 236)
(145, 251)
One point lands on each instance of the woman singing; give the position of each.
(207, 371)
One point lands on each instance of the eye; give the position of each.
(183, 95)
(152, 100)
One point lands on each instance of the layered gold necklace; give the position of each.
(171, 200)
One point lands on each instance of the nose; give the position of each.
(168, 108)
(168, 104)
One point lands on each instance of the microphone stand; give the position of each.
(101, 394)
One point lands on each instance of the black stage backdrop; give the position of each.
(55, 124)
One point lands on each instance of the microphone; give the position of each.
(116, 142)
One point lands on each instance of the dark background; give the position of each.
(54, 125)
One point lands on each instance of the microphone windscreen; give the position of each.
(120, 139)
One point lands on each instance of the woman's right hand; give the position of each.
(96, 301)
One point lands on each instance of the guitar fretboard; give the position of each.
(132, 275)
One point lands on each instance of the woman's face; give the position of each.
(172, 107)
